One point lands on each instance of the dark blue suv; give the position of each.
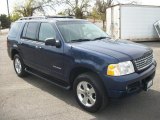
(76, 54)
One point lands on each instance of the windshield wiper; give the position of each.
(99, 38)
(80, 40)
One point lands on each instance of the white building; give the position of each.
(133, 22)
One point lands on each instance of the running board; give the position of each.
(59, 84)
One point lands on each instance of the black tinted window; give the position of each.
(30, 31)
(46, 31)
(15, 27)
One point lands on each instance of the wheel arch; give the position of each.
(13, 53)
(75, 72)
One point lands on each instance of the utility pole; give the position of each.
(8, 8)
(8, 12)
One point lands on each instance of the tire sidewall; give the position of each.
(22, 73)
(97, 87)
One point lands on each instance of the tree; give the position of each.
(78, 8)
(95, 15)
(5, 22)
(15, 16)
(31, 6)
(61, 13)
(101, 6)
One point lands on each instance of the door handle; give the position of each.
(20, 42)
(38, 47)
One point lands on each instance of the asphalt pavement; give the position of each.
(32, 98)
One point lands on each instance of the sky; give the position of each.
(3, 5)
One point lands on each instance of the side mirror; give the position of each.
(53, 42)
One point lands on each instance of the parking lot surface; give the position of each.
(32, 98)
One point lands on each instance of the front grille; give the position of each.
(144, 61)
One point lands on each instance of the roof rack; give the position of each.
(44, 17)
(32, 17)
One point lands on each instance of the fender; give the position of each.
(14, 47)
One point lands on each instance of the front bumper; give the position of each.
(128, 84)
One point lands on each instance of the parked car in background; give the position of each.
(75, 54)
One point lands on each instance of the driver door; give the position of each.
(51, 57)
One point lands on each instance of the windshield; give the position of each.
(77, 31)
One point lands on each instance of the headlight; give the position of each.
(119, 69)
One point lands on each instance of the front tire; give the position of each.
(19, 66)
(89, 92)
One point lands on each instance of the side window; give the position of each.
(46, 31)
(24, 30)
(30, 30)
(14, 29)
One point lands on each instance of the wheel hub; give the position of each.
(18, 66)
(86, 94)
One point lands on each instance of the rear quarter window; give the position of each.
(15, 27)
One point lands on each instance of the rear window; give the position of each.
(30, 30)
(15, 27)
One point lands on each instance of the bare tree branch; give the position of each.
(31, 6)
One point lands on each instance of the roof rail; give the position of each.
(44, 17)
(58, 16)
(32, 17)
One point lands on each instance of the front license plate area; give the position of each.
(148, 85)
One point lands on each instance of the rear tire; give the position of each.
(89, 92)
(19, 66)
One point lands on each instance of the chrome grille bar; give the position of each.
(144, 61)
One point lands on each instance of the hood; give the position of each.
(120, 49)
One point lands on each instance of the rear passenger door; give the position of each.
(51, 58)
(28, 44)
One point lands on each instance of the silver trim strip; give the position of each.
(56, 67)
